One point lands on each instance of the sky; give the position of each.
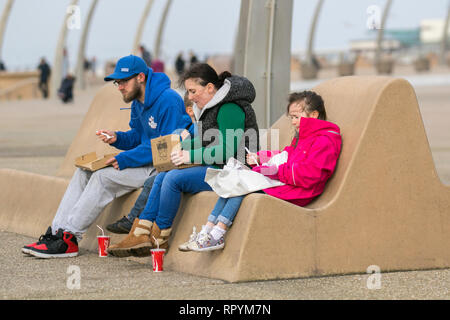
(207, 27)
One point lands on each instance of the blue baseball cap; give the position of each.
(128, 66)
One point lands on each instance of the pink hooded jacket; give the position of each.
(310, 164)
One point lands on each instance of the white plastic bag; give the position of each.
(235, 179)
(277, 159)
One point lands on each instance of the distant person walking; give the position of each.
(180, 64)
(157, 65)
(65, 64)
(65, 92)
(192, 58)
(93, 67)
(145, 55)
(44, 75)
(2, 66)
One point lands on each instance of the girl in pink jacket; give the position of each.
(311, 160)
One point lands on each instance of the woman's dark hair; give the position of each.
(204, 74)
(313, 102)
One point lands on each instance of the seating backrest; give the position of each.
(106, 112)
(349, 102)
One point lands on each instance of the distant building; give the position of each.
(393, 39)
(407, 37)
(431, 31)
(370, 45)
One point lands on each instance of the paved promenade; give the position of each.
(26, 277)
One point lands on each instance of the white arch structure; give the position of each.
(140, 28)
(312, 32)
(79, 69)
(58, 60)
(3, 22)
(162, 24)
(381, 32)
(445, 37)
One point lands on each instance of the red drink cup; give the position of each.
(158, 259)
(103, 244)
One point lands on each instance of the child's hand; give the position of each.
(267, 170)
(184, 134)
(252, 159)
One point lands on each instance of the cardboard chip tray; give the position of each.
(162, 147)
(93, 162)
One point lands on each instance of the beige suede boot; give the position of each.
(161, 236)
(137, 243)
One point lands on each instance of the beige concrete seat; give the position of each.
(384, 206)
(29, 201)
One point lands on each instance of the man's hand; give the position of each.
(106, 136)
(180, 157)
(112, 161)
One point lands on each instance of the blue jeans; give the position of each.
(225, 210)
(164, 199)
(141, 201)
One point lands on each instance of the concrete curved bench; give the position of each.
(29, 201)
(384, 206)
(19, 85)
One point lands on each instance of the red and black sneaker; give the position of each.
(42, 239)
(62, 245)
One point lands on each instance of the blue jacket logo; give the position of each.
(152, 123)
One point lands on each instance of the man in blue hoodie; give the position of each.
(156, 110)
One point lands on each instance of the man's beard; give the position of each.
(133, 94)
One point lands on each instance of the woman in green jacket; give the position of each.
(226, 127)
